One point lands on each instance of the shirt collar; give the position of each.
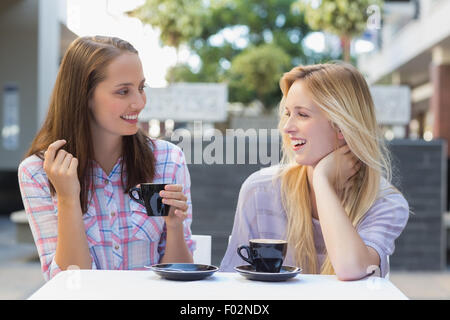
(100, 176)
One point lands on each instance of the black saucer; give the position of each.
(183, 271)
(285, 273)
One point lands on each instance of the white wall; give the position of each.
(18, 65)
(48, 53)
(29, 58)
(417, 37)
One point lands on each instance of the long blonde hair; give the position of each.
(341, 92)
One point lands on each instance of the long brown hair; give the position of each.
(83, 67)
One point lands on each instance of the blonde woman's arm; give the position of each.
(350, 256)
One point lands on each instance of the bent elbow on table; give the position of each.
(358, 266)
(351, 271)
(350, 275)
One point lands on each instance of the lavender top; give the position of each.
(260, 214)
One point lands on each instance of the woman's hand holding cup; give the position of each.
(173, 195)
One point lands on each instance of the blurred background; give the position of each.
(214, 65)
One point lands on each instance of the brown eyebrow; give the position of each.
(128, 83)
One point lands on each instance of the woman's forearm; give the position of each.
(176, 248)
(72, 246)
(348, 253)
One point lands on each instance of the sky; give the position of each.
(107, 17)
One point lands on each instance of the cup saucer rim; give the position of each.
(283, 267)
(161, 267)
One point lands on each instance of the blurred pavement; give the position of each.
(20, 274)
(20, 269)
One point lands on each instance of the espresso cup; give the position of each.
(149, 197)
(265, 255)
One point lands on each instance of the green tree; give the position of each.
(345, 18)
(178, 20)
(262, 22)
(257, 70)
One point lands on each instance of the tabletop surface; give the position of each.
(136, 285)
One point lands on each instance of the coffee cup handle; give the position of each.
(249, 257)
(138, 190)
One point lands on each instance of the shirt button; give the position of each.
(116, 247)
(113, 214)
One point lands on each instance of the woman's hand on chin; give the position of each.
(338, 167)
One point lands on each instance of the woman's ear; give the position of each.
(339, 134)
(338, 131)
(341, 139)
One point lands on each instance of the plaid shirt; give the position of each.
(120, 234)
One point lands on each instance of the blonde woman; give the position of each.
(331, 197)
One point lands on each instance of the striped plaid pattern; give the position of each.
(120, 234)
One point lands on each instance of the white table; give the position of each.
(118, 284)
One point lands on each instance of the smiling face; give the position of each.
(119, 98)
(307, 128)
